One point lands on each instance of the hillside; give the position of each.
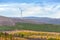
(10, 21)
(6, 21)
(37, 20)
(34, 27)
(29, 23)
(45, 20)
(28, 29)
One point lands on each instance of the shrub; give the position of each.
(53, 39)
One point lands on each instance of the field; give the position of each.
(33, 27)
(29, 35)
(27, 31)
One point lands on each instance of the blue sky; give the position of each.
(37, 8)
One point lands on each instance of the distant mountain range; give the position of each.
(39, 20)
(34, 20)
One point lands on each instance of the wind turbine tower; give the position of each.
(21, 13)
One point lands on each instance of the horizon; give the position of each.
(30, 17)
(35, 8)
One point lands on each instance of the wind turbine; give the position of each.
(21, 13)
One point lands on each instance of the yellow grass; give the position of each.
(35, 34)
(3, 38)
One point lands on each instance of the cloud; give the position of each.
(30, 9)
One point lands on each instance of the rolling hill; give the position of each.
(6, 21)
(38, 20)
(10, 21)
(29, 23)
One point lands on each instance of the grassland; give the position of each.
(34, 27)
(28, 31)
(29, 35)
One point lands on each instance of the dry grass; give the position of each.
(36, 34)
(14, 38)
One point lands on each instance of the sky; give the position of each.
(35, 8)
